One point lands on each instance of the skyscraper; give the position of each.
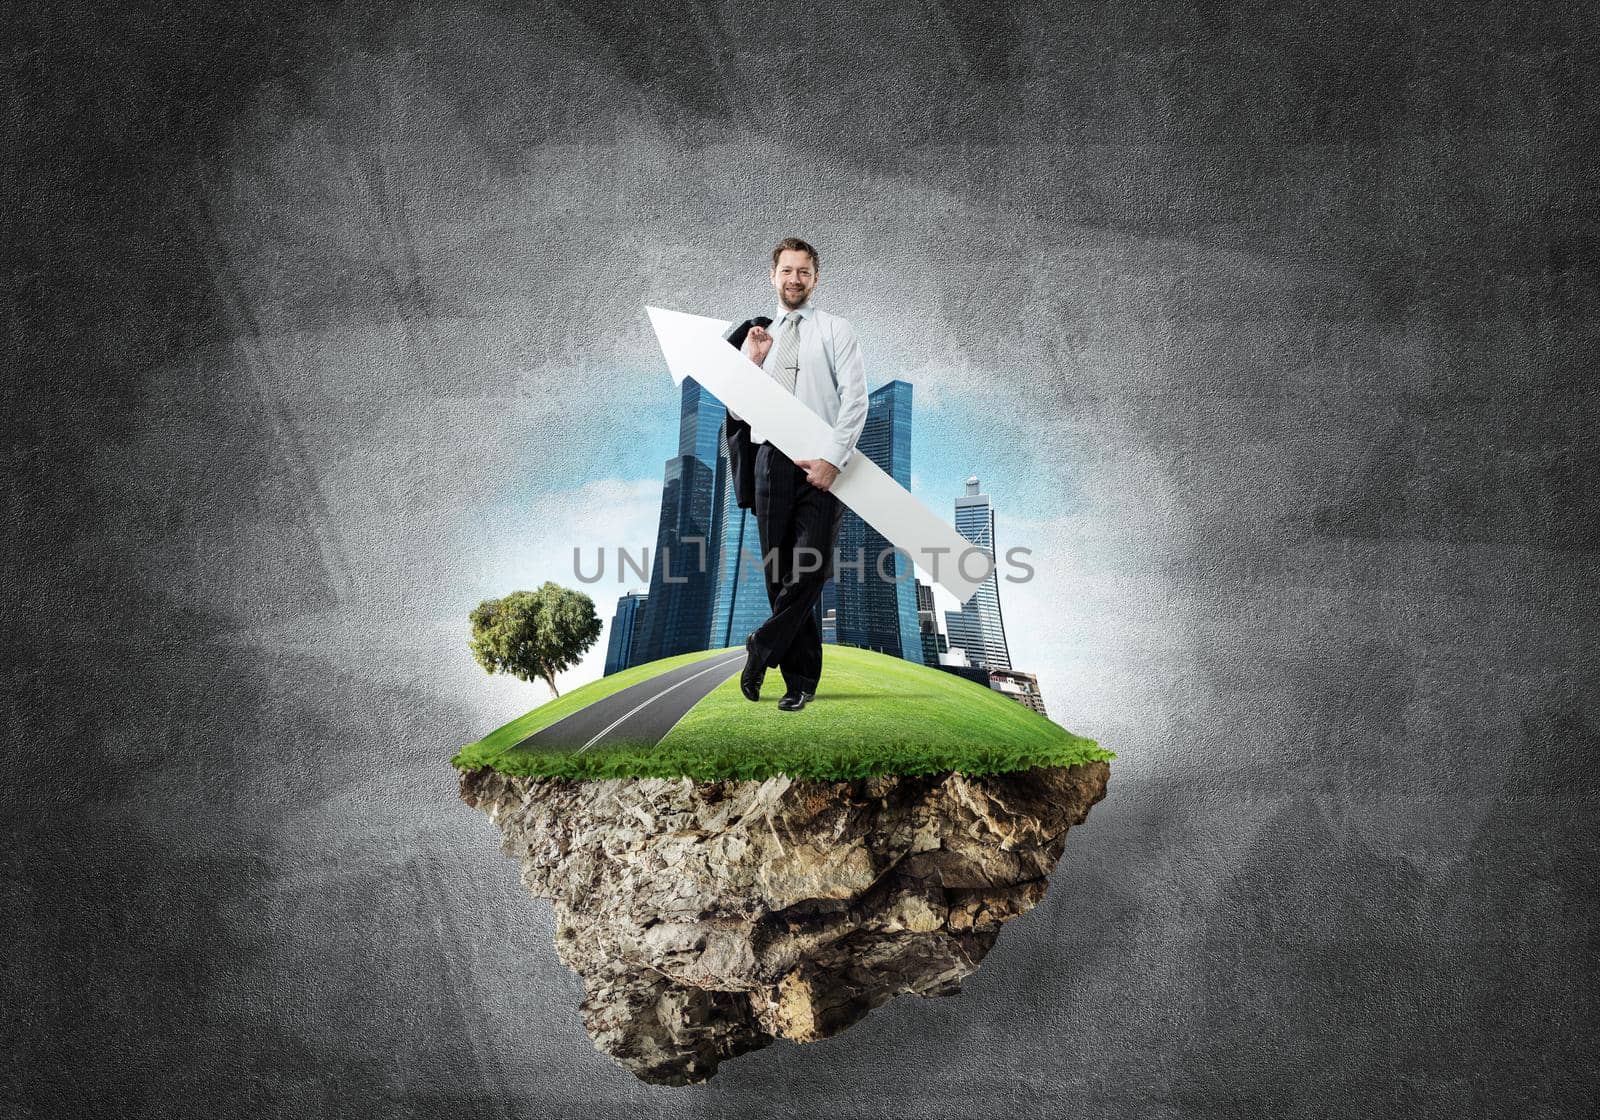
(977, 626)
(739, 602)
(874, 612)
(619, 646)
(677, 617)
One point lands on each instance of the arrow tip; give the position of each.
(661, 321)
(677, 326)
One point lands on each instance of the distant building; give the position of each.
(967, 672)
(624, 627)
(977, 626)
(1021, 687)
(871, 611)
(933, 642)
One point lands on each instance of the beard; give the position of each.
(795, 297)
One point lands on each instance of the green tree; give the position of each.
(534, 633)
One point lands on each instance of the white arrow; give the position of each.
(696, 347)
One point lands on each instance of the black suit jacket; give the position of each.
(736, 433)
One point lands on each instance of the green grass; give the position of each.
(873, 715)
(502, 739)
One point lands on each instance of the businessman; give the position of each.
(814, 355)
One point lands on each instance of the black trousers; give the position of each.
(799, 531)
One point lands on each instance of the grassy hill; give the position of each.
(873, 715)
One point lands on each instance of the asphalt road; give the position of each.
(642, 712)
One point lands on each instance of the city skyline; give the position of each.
(706, 591)
(706, 588)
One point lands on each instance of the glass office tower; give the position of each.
(977, 627)
(875, 612)
(677, 616)
(624, 626)
(739, 603)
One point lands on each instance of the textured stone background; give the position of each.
(1306, 293)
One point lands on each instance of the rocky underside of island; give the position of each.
(709, 918)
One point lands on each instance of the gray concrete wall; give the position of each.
(1303, 295)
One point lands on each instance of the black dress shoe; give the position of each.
(793, 701)
(754, 671)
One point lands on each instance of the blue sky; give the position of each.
(952, 436)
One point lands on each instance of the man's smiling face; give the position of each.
(794, 276)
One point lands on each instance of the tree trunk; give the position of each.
(550, 679)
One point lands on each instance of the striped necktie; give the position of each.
(785, 367)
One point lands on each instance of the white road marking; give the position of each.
(651, 700)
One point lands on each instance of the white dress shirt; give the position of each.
(831, 381)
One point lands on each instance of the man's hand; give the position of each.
(819, 472)
(756, 344)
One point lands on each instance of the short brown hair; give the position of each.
(803, 246)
